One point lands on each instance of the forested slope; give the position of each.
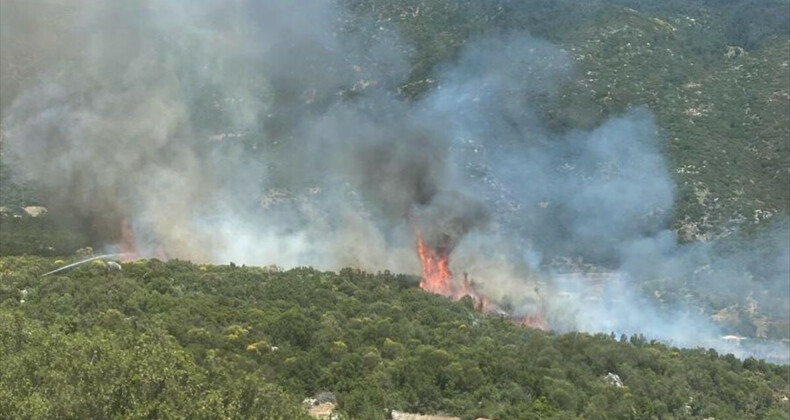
(177, 339)
(715, 74)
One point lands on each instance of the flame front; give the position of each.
(534, 321)
(437, 279)
(436, 276)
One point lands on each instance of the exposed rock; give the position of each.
(735, 51)
(725, 314)
(613, 379)
(113, 266)
(35, 211)
(321, 410)
(399, 415)
(11, 211)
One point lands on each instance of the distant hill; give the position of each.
(716, 75)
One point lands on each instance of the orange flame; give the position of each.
(436, 276)
(466, 289)
(437, 279)
(534, 321)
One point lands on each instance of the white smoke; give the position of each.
(264, 133)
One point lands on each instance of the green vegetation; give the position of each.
(175, 340)
(44, 235)
(715, 74)
(163, 340)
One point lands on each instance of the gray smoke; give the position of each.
(264, 133)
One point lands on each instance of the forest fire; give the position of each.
(438, 279)
(534, 321)
(436, 276)
(126, 245)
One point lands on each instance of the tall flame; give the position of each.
(436, 276)
(438, 279)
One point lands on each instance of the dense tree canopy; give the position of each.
(171, 339)
(175, 339)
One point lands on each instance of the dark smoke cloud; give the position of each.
(262, 133)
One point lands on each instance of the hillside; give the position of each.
(572, 165)
(720, 95)
(715, 74)
(178, 339)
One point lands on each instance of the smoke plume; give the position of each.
(263, 133)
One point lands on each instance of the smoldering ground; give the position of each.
(262, 133)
